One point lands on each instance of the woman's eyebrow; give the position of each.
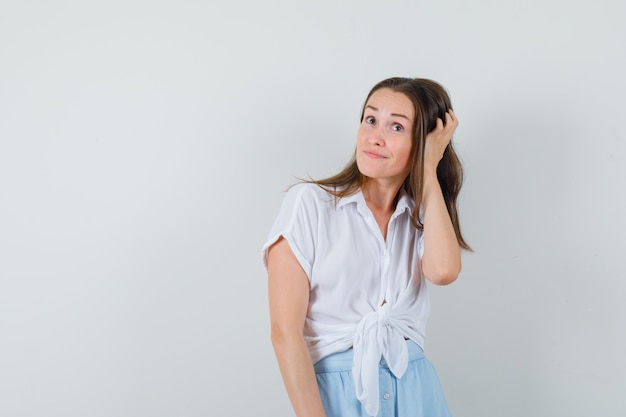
(369, 106)
(400, 115)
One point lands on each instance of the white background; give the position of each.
(145, 147)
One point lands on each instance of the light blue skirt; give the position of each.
(417, 394)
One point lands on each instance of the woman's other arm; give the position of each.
(289, 299)
(441, 262)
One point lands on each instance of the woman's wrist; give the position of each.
(430, 181)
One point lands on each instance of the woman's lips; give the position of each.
(373, 155)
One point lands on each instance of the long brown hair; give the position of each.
(430, 101)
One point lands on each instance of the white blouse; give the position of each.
(366, 292)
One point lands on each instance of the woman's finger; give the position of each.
(453, 118)
(439, 124)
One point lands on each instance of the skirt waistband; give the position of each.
(342, 361)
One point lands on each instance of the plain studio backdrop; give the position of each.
(145, 147)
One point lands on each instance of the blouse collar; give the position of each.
(405, 202)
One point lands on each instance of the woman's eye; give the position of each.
(397, 128)
(370, 120)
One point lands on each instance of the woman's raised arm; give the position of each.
(441, 262)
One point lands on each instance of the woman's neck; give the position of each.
(381, 200)
(380, 197)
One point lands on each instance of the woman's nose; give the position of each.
(377, 136)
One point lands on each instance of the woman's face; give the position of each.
(384, 139)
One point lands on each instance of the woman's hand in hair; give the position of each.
(437, 140)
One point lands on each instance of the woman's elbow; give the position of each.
(283, 338)
(277, 336)
(443, 275)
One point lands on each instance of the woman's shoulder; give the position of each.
(310, 192)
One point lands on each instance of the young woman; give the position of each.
(348, 256)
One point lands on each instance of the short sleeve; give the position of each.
(297, 222)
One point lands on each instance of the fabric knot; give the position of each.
(377, 334)
(384, 315)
